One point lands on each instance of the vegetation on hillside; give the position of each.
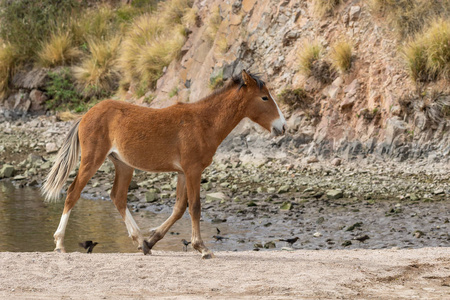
(98, 43)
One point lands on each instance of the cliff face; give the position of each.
(372, 108)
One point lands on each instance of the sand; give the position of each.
(382, 274)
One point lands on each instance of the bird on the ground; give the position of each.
(218, 230)
(290, 241)
(361, 238)
(219, 238)
(89, 245)
(185, 244)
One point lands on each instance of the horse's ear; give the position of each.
(248, 80)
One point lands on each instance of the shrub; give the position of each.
(98, 75)
(428, 54)
(25, 23)
(61, 90)
(410, 16)
(311, 52)
(58, 51)
(173, 11)
(294, 98)
(212, 25)
(216, 81)
(341, 56)
(324, 7)
(8, 59)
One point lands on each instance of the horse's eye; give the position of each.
(265, 98)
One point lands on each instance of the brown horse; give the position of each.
(181, 138)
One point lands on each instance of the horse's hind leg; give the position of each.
(119, 192)
(88, 166)
(177, 213)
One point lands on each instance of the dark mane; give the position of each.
(237, 82)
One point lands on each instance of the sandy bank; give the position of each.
(384, 274)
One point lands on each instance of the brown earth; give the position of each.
(381, 274)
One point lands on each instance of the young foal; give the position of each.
(181, 138)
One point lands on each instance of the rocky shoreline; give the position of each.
(274, 188)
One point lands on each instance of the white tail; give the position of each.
(66, 160)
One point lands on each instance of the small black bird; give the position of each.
(89, 245)
(219, 238)
(361, 238)
(290, 241)
(185, 244)
(218, 230)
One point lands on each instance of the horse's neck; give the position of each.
(224, 112)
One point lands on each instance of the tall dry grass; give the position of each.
(98, 73)
(324, 7)
(310, 52)
(8, 60)
(341, 55)
(59, 50)
(427, 54)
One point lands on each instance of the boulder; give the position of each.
(6, 171)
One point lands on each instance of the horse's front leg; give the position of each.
(193, 190)
(177, 213)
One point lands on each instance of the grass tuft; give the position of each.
(311, 52)
(212, 25)
(8, 60)
(324, 7)
(97, 75)
(427, 55)
(410, 16)
(341, 56)
(58, 51)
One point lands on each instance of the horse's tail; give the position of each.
(66, 159)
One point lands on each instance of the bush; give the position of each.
(341, 56)
(98, 74)
(410, 16)
(311, 52)
(61, 91)
(294, 98)
(324, 7)
(212, 25)
(26, 23)
(58, 51)
(8, 59)
(427, 55)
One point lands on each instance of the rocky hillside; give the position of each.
(374, 107)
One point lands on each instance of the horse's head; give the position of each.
(261, 106)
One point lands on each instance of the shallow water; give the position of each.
(27, 223)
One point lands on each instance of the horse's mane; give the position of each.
(235, 82)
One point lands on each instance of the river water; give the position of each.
(27, 223)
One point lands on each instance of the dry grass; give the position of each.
(172, 12)
(212, 25)
(97, 75)
(410, 16)
(8, 60)
(324, 7)
(341, 56)
(428, 54)
(67, 116)
(434, 105)
(310, 52)
(59, 50)
(190, 17)
(222, 44)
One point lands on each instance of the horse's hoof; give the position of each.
(59, 250)
(208, 255)
(146, 248)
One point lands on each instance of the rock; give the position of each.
(270, 245)
(215, 197)
(257, 245)
(283, 189)
(354, 13)
(251, 204)
(346, 243)
(151, 196)
(133, 185)
(47, 165)
(312, 159)
(439, 192)
(334, 194)
(394, 127)
(286, 205)
(317, 234)
(38, 99)
(336, 162)
(6, 171)
(166, 187)
(51, 148)
(207, 186)
(352, 227)
(33, 79)
(418, 234)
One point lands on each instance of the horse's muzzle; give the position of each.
(279, 131)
